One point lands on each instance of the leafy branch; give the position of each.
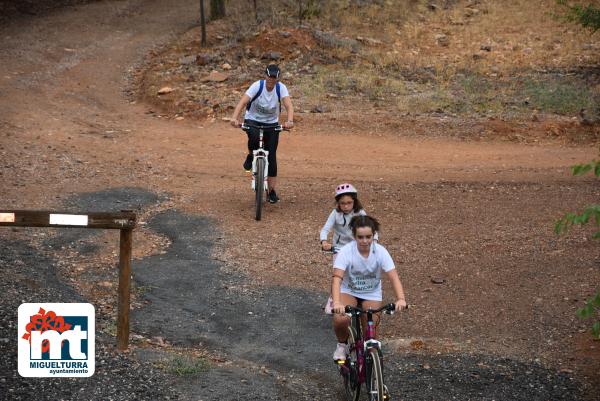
(588, 16)
(590, 213)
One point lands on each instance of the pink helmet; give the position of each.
(345, 188)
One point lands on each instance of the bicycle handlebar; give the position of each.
(389, 308)
(331, 251)
(246, 127)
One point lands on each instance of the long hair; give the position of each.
(364, 221)
(357, 207)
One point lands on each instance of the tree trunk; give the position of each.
(217, 9)
(202, 24)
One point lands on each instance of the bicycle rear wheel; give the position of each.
(259, 186)
(375, 376)
(351, 381)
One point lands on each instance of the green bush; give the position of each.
(590, 214)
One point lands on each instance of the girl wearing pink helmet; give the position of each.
(347, 206)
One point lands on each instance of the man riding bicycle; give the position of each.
(262, 102)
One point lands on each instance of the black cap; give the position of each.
(272, 70)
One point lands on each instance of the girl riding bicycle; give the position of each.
(347, 206)
(357, 277)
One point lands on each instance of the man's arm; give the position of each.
(289, 108)
(238, 109)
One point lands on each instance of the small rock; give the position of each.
(188, 60)
(369, 41)
(432, 6)
(215, 76)
(226, 66)
(487, 48)
(442, 40)
(204, 59)
(470, 12)
(160, 341)
(438, 280)
(164, 90)
(271, 56)
(477, 56)
(318, 109)
(285, 34)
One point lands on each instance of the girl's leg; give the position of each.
(341, 321)
(329, 303)
(366, 304)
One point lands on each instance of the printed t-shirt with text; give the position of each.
(362, 276)
(265, 108)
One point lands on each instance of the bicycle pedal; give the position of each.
(386, 394)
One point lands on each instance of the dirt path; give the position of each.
(478, 214)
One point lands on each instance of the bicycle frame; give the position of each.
(363, 344)
(260, 153)
(359, 370)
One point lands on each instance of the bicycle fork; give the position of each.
(260, 153)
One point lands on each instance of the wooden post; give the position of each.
(125, 221)
(124, 287)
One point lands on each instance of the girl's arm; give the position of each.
(398, 290)
(336, 285)
(325, 230)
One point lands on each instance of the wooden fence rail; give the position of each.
(125, 221)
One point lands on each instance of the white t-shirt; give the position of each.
(265, 108)
(362, 276)
(340, 222)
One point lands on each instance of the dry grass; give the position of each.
(508, 59)
(465, 58)
(521, 35)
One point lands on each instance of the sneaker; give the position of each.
(248, 163)
(273, 198)
(341, 352)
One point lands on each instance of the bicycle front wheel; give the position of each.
(375, 376)
(260, 186)
(351, 380)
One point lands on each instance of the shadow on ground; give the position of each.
(193, 302)
(275, 340)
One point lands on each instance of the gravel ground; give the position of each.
(266, 343)
(29, 276)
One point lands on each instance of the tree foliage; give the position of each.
(591, 214)
(588, 16)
